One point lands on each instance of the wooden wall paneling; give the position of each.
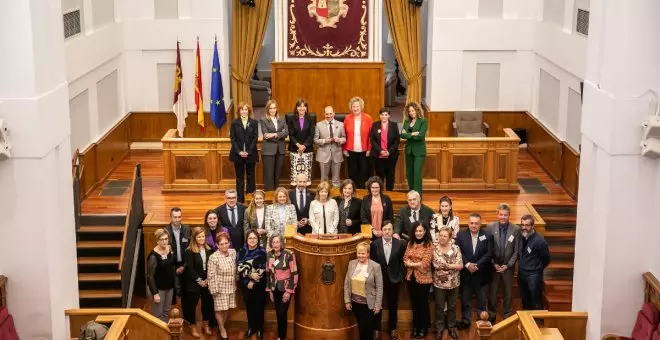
(439, 124)
(323, 84)
(151, 126)
(545, 148)
(571, 170)
(101, 158)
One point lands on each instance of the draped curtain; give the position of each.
(404, 20)
(249, 28)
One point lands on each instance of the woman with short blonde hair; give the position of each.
(357, 148)
(363, 290)
(281, 213)
(323, 211)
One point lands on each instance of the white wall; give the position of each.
(523, 38)
(130, 51)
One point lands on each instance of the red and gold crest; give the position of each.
(327, 12)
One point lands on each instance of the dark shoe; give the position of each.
(376, 335)
(260, 335)
(463, 325)
(422, 334)
(453, 333)
(249, 333)
(394, 334)
(439, 334)
(414, 333)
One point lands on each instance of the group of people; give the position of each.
(243, 247)
(357, 138)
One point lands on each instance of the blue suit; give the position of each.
(471, 283)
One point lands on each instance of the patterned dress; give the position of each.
(222, 280)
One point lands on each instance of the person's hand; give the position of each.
(472, 267)
(396, 236)
(378, 233)
(250, 285)
(416, 133)
(179, 270)
(261, 231)
(345, 153)
(349, 222)
(286, 296)
(328, 140)
(368, 153)
(255, 276)
(156, 298)
(377, 310)
(503, 268)
(336, 140)
(497, 267)
(272, 299)
(385, 153)
(349, 306)
(201, 283)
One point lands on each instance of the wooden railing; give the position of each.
(130, 244)
(3, 291)
(651, 294)
(524, 326)
(129, 323)
(76, 174)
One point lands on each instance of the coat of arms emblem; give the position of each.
(327, 12)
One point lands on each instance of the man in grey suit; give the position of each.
(329, 135)
(506, 242)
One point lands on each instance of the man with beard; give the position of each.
(534, 257)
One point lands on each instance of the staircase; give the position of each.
(99, 242)
(560, 225)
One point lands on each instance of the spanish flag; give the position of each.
(199, 99)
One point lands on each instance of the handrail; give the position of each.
(3, 290)
(76, 174)
(651, 289)
(78, 317)
(523, 325)
(117, 330)
(129, 245)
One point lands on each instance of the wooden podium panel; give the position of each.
(323, 84)
(451, 164)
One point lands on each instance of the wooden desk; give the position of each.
(452, 164)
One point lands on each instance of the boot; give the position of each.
(207, 329)
(193, 331)
(376, 335)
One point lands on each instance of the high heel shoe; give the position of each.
(193, 331)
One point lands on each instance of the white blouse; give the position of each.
(357, 135)
(331, 216)
(261, 212)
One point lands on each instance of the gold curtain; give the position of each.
(404, 27)
(249, 27)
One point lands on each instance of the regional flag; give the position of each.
(199, 99)
(218, 113)
(179, 106)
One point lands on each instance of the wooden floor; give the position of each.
(195, 205)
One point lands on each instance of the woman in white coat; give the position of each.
(445, 219)
(323, 211)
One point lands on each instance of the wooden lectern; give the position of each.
(320, 312)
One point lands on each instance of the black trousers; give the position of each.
(358, 168)
(507, 284)
(244, 169)
(531, 291)
(391, 292)
(189, 302)
(272, 170)
(365, 318)
(385, 169)
(471, 285)
(255, 302)
(442, 297)
(281, 310)
(419, 298)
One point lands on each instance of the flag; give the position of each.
(179, 99)
(199, 99)
(218, 113)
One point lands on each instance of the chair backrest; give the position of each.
(340, 116)
(469, 121)
(647, 321)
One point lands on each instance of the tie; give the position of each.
(302, 201)
(414, 216)
(502, 240)
(232, 219)
(332, 133)
(325, 230)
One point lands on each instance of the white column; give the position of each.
(37, 246)
(617, 229)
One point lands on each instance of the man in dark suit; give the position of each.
(231, 216)
(476, 248)
(506, 244)
(413, 212)
(179, 235)
(388, 252)
(385, 137)
(534, 257)
(301, 198)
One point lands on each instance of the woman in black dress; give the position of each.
(243, 133)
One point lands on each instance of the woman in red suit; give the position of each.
(358, 145)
